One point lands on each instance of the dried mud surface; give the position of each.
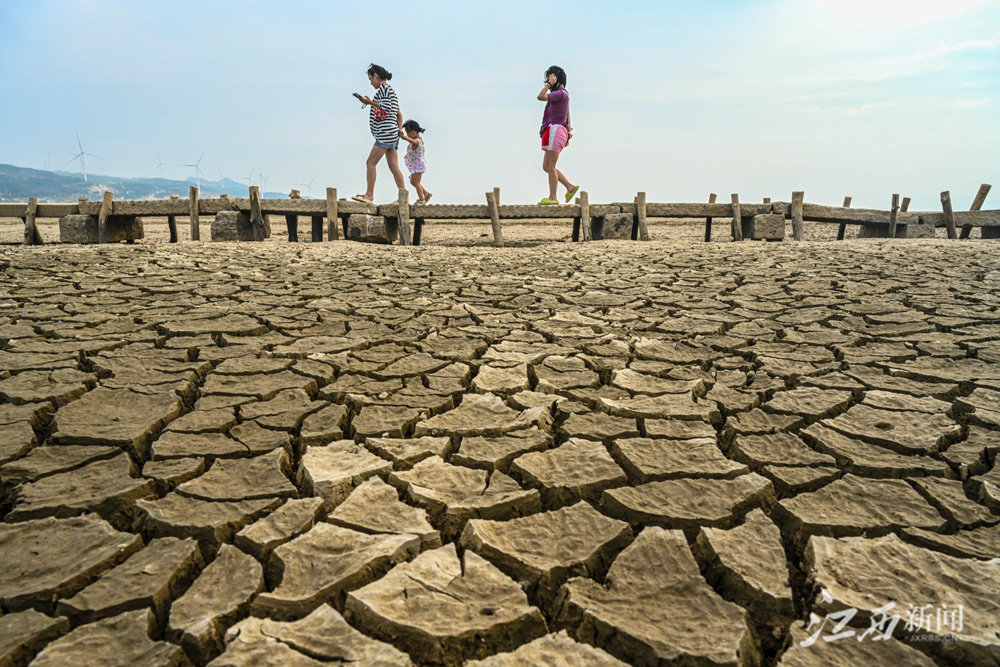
(602, 453)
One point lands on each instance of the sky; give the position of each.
(678, 99)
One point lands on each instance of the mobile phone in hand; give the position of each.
(358, 95)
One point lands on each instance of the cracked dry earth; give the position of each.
(658, 453)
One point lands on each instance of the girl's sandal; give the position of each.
(427, 198)
(361, 198)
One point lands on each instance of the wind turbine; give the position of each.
(248, 179)
(309, 188)
(48, 161)
(197, 169)
(82, 156)
(159, 164)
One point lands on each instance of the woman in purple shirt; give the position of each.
(556, 132)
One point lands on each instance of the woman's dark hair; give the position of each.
(412, 126)
(560, 75)
(382, 72)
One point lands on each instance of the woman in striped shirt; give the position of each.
(385, 122)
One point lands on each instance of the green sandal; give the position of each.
(571, 194)
(548, 202)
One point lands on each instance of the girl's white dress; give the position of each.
(414, 158)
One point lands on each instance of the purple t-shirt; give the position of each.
(556, 110)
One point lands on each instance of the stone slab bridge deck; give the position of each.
(243, 454)
(249, 219)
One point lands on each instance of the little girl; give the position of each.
(414, 158)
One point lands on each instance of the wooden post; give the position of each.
(949, 215)
(977, 204)
(893, 212)
(102, 217)
(332, 219)
(418, 227)
(737, 225)
(639, 229)
(708, 220)
(577, 221)
(256, 218)
(635, 218)
(843, 225)
(905, 205)
(193, 214)
(172, 221)
(585, 230)
(496, 200)
(317, 228)
(31, 234)
(491, 204)
(292, 222)
(403, 216)
(797, 198)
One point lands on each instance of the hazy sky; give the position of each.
(834, 97)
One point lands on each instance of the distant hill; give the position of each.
(19, 183)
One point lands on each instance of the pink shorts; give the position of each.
(554, 138)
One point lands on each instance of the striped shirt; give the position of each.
(384, 123)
